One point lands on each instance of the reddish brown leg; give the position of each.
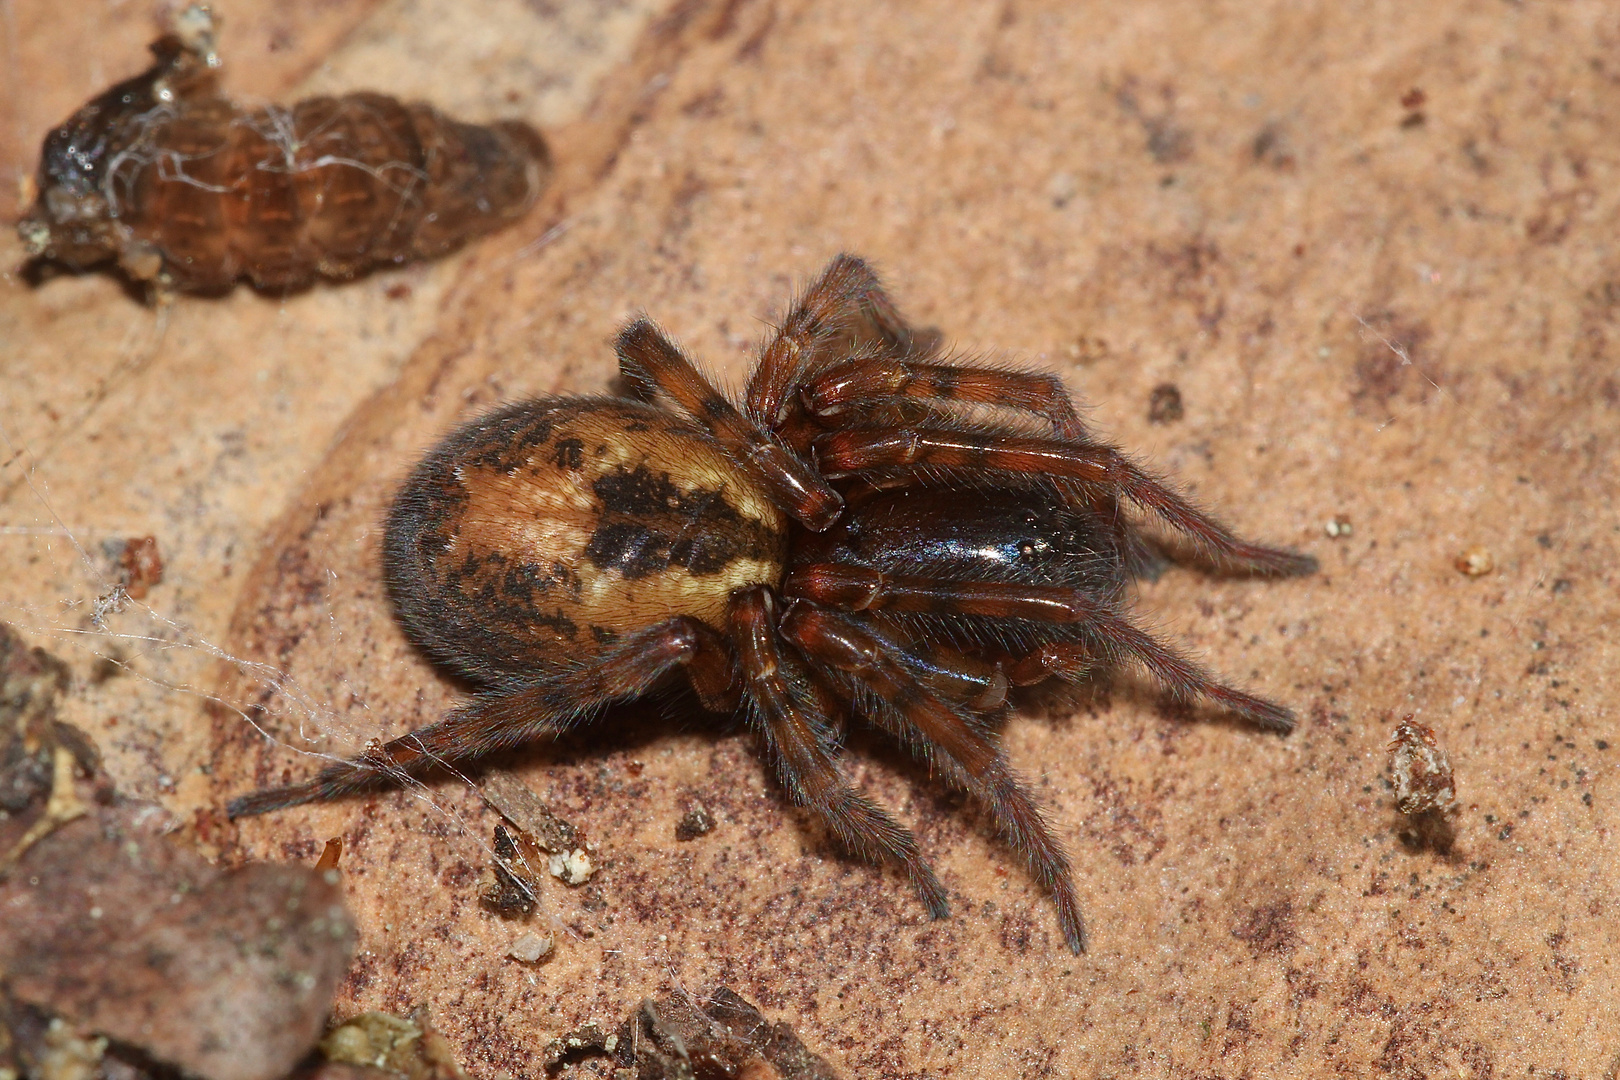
(854, 450)
(800, 428)
(524, 714)
(860, 588)
(647, 357)
(1118, 640)
(833, 308)
(924, 721)
(798, 733)
(861, 381)
(978, 684)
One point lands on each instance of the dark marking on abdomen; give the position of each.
(515, 548)
(570, 454)
(629, 549)
(649, 526)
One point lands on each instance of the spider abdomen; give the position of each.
(538, 535)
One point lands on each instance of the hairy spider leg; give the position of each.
(798, 734)
(862, 588)
(854, 450)
(1184, 679)
(799, 427)
(648, 358)
(516, 715)
(953, 740)
(859, 588)
(837, 304)
(972, 681)
(860, 380)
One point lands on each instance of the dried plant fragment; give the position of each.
(516, 802)
(696, 822)
(43, 1047)
(63, 805)
(513, 887)
(724, 1036)
(588, 1038)
(30, 682)
(189, 190)
(330, 854)
(1420, 770)
(140, 566)
(41, 758)
(409, 1048)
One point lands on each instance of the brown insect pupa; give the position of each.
(186, 189)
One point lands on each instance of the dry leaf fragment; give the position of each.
(409, 1048)
(517, 803)
(679, 1037)
(512, 888)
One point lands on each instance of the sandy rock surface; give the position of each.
(1370, 247)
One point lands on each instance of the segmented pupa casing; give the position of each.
(184, 187)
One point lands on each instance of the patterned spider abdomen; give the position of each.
(184, 187)
(537, 535)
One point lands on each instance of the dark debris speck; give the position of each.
(696, 822)
(1164, 404)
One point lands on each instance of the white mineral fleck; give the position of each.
(574, 868)
(530, 948)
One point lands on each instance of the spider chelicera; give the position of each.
(877, 532)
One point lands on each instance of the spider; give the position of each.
(877, 532)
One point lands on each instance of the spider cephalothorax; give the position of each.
(876, 533)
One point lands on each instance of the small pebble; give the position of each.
(1338, 527)
(1164, 404)
(1476, 562)
(574, 868)
(1420, 771)
(530, 948)
(695, 823)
